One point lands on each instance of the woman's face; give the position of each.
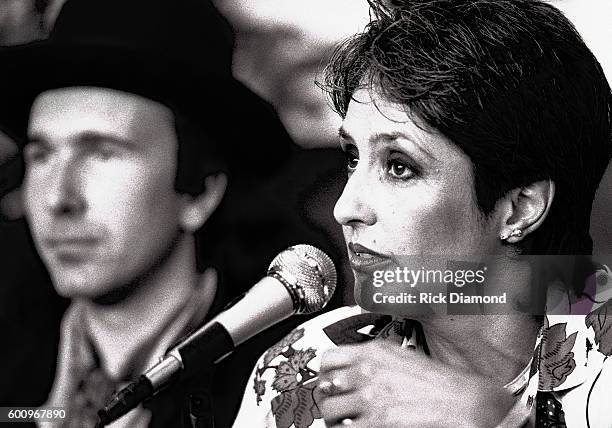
(409, 192)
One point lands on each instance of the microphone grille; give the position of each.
(308, 273)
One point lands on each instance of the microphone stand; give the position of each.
(200, 402)
(201, 414)
(195, 403)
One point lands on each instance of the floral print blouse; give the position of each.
(568, 382)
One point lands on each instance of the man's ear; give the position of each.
(198, 209)
(524, 209)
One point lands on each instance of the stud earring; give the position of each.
(517, 233)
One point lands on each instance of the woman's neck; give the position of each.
(500, 344)
(495, 346)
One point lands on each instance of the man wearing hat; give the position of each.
(131, 125)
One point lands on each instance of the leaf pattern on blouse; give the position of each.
(601, 322)
(556, 356)
(297, 407)
(293, 379)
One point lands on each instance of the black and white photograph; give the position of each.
(306, 214)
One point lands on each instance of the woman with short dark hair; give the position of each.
(476, 129)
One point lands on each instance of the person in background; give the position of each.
(149, 192)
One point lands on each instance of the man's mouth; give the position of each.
(71, 242)
(71, 249)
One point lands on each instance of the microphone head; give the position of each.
(308, 274)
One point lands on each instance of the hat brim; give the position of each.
(219, 104)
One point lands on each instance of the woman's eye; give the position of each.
(398, 169)
(351, 160)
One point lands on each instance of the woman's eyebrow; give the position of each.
(395, 135)
(389, 137)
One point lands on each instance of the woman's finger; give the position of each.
(336, 408)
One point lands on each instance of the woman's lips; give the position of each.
(362, 258)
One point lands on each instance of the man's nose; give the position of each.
(354, 205)
(65, 193)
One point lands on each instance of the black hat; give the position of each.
(177, 52)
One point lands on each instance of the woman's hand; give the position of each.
(383, 385)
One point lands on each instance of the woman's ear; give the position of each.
(197, 209)
(524, 209)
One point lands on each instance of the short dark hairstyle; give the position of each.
(510, 82)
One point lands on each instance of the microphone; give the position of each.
(300, 280)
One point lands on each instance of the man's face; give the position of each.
(99, 187)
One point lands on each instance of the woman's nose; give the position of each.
(353, 207)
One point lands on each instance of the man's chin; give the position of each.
(81, 283)
(103, 294)
(89, 290)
